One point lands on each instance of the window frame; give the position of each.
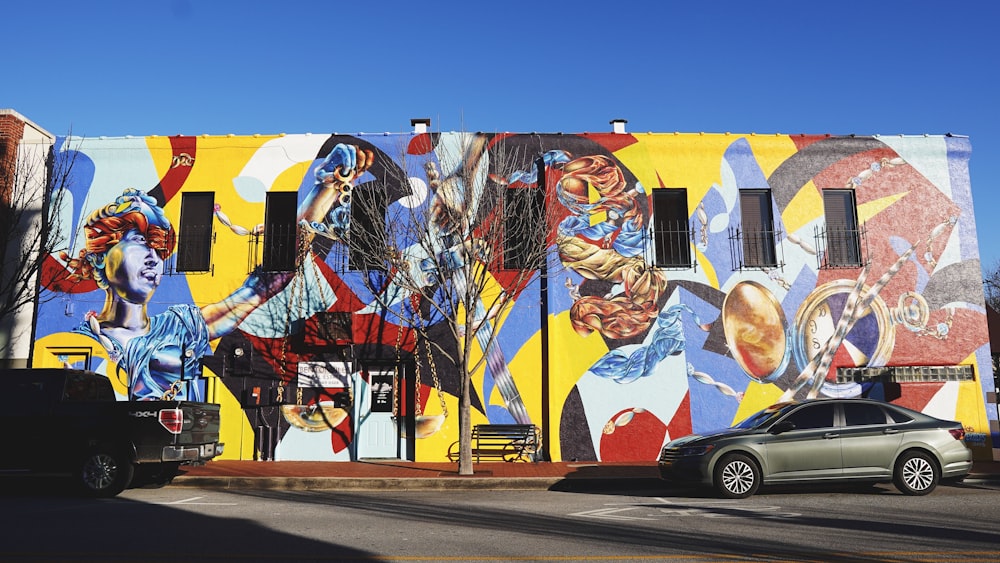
(758, 246)
(195, 235)
(280, 246)
(522, 205)
(671, 246)
(369, 207)
(842, 236)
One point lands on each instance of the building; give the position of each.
(689, 281)
(24, 147)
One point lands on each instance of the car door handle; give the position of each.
(830, 435)
(890, 431)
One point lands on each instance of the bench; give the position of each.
(505, 442)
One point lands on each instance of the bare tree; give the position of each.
(991, 285)
(456, 251)
(33, 185)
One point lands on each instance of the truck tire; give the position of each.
(104, 472)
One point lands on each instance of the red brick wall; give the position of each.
(11, 132)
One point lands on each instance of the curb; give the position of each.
(417, 484)
(365, 484)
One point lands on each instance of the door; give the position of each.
(376, 399)
(811, 450)
(868, 441)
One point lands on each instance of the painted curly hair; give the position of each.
(133, 210)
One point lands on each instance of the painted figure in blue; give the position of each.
(127, 242)
(668, 339)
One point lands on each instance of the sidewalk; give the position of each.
(407, 475)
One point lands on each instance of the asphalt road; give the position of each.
(876, 523)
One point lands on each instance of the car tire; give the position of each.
(915, 473)
(104, 472)
(737, 476)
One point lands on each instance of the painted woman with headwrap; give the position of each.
(127, 242)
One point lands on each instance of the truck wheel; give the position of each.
(104, 473)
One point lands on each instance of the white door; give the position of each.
(377, 433)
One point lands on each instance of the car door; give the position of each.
(868, 440)
(811, 450)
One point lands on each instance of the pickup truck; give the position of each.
(69, 421)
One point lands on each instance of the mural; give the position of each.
(630, 353)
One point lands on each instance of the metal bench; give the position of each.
(505, 442)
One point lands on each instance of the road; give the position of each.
(955, 523)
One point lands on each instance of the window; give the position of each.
(813, 416)
(524, 227)
(843, 249)
(758, 229)
(194, 244)
(671, 231)
(280, 230)
(906, 374)
(366, 240)
(856, 414)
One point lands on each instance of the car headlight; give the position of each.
(696, 450)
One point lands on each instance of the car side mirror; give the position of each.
(783, 426)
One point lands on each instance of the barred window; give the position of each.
(367, 244)
(843, 249)
(280, 231)
(758, 229)
(194, 244)
(524, 227)
(671, 231)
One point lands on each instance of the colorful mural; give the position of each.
(635, 352)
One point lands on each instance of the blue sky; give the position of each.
(127, 67)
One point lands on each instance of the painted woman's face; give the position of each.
(133, 268)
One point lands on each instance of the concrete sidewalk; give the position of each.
(406, 475)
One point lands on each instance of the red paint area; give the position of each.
(184, 150)
(916, 396)
(641, 437)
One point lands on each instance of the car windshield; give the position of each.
(764, 417)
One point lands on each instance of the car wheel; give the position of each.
(104, 473)
(737, 476)
(915, 474)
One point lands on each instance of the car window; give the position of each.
(857, 414)
(813, 416)
(899, 417)
(764, 417)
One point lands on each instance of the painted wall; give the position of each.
(637, 355)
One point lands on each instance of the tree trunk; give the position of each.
(465, 428)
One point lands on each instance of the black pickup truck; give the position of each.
(68, 421)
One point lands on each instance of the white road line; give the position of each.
(190, 501)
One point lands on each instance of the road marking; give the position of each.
(611, 514)
(705, 509)
(191, 501)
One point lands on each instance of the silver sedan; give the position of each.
(822, 440)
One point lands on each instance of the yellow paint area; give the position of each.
(235, 430)
(757, 396)
(224, 159)
(806, 206)
(48, 349)
(693, 161)
(571, 355)
(868, 210)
